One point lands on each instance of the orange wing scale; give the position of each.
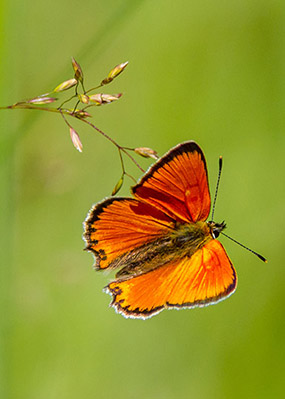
(178, 184)
(205, 278)
(118, 225)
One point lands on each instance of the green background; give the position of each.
(202, 70)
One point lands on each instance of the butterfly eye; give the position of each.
(216, 228)
(215, 233)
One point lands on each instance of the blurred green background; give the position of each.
(202, 70)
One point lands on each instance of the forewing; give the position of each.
(177, 184)
(205, 278)
(119, 225)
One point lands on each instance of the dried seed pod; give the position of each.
(101, 98)
(114, 73)
(146, 152)
(118, 185)
(41, 100)
(65, 85)
(109, 98)
(96, 98)
(78, 74)
(83, 98)
(79, 113)
(75, 139)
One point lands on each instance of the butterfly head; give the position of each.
(216, 228)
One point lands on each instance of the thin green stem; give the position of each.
(69, 113)
(75, 107)
(122, 161)
(131, 177)
(65, 120)
(133, 160)
(66, 101)
(114, 142)
(94, 88)
(83, 88)
(36, 107)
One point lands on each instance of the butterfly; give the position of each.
(167, 254)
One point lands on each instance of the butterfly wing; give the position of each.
(177, 184)
(174, 189)
(205, 278)
(118, 225)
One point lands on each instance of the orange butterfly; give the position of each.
(167, 253)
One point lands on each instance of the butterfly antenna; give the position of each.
(217, 185)
(250, 250)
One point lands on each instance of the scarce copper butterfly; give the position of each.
(168, 255)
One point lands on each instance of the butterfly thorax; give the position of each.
(183, 240)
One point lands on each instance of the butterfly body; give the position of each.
(183, 241)
(166, 252)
